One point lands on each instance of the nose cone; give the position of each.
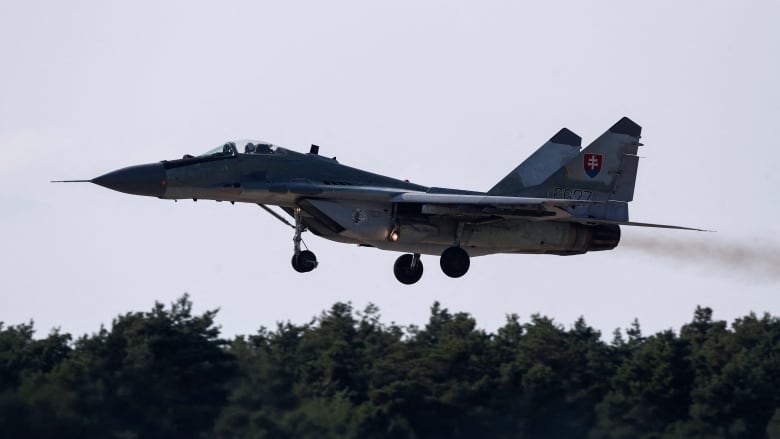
(146, 179)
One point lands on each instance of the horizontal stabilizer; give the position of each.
(593, 221)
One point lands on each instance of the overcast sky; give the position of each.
(444, 93)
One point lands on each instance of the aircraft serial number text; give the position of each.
(567, 193)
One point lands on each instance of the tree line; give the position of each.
(168, 373)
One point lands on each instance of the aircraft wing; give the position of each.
(345, 192)
(492, 206)
(487, 206)
(471, 207)
(395, 195)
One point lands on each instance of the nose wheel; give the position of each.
(303, 261)
(408, 268)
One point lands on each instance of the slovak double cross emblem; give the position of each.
(592, 164)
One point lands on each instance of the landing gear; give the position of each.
(302, 261)
(408, 268)
(454, 262)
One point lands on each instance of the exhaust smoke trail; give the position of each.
(757, 260)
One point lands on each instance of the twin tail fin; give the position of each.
(604, 171)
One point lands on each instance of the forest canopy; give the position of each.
(168, 373)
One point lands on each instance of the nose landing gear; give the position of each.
(302, 261)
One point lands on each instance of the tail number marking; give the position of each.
(567, 193)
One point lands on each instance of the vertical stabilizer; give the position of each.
(604, 171)
(540, 165)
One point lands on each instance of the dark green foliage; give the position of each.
(166, 373)
(163, 373)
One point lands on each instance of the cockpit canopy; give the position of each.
(247, 146)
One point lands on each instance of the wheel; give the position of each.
(404, 272)
(454, 262)
(304, 261)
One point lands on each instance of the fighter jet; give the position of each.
(562, 200)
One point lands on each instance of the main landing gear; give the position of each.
(454, 262)
(408, 268)
(302, 261)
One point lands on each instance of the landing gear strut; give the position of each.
(454, 262)
(408, 268)
(302, 261)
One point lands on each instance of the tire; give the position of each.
(304, 261)
(404, 272)
(455, 262)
